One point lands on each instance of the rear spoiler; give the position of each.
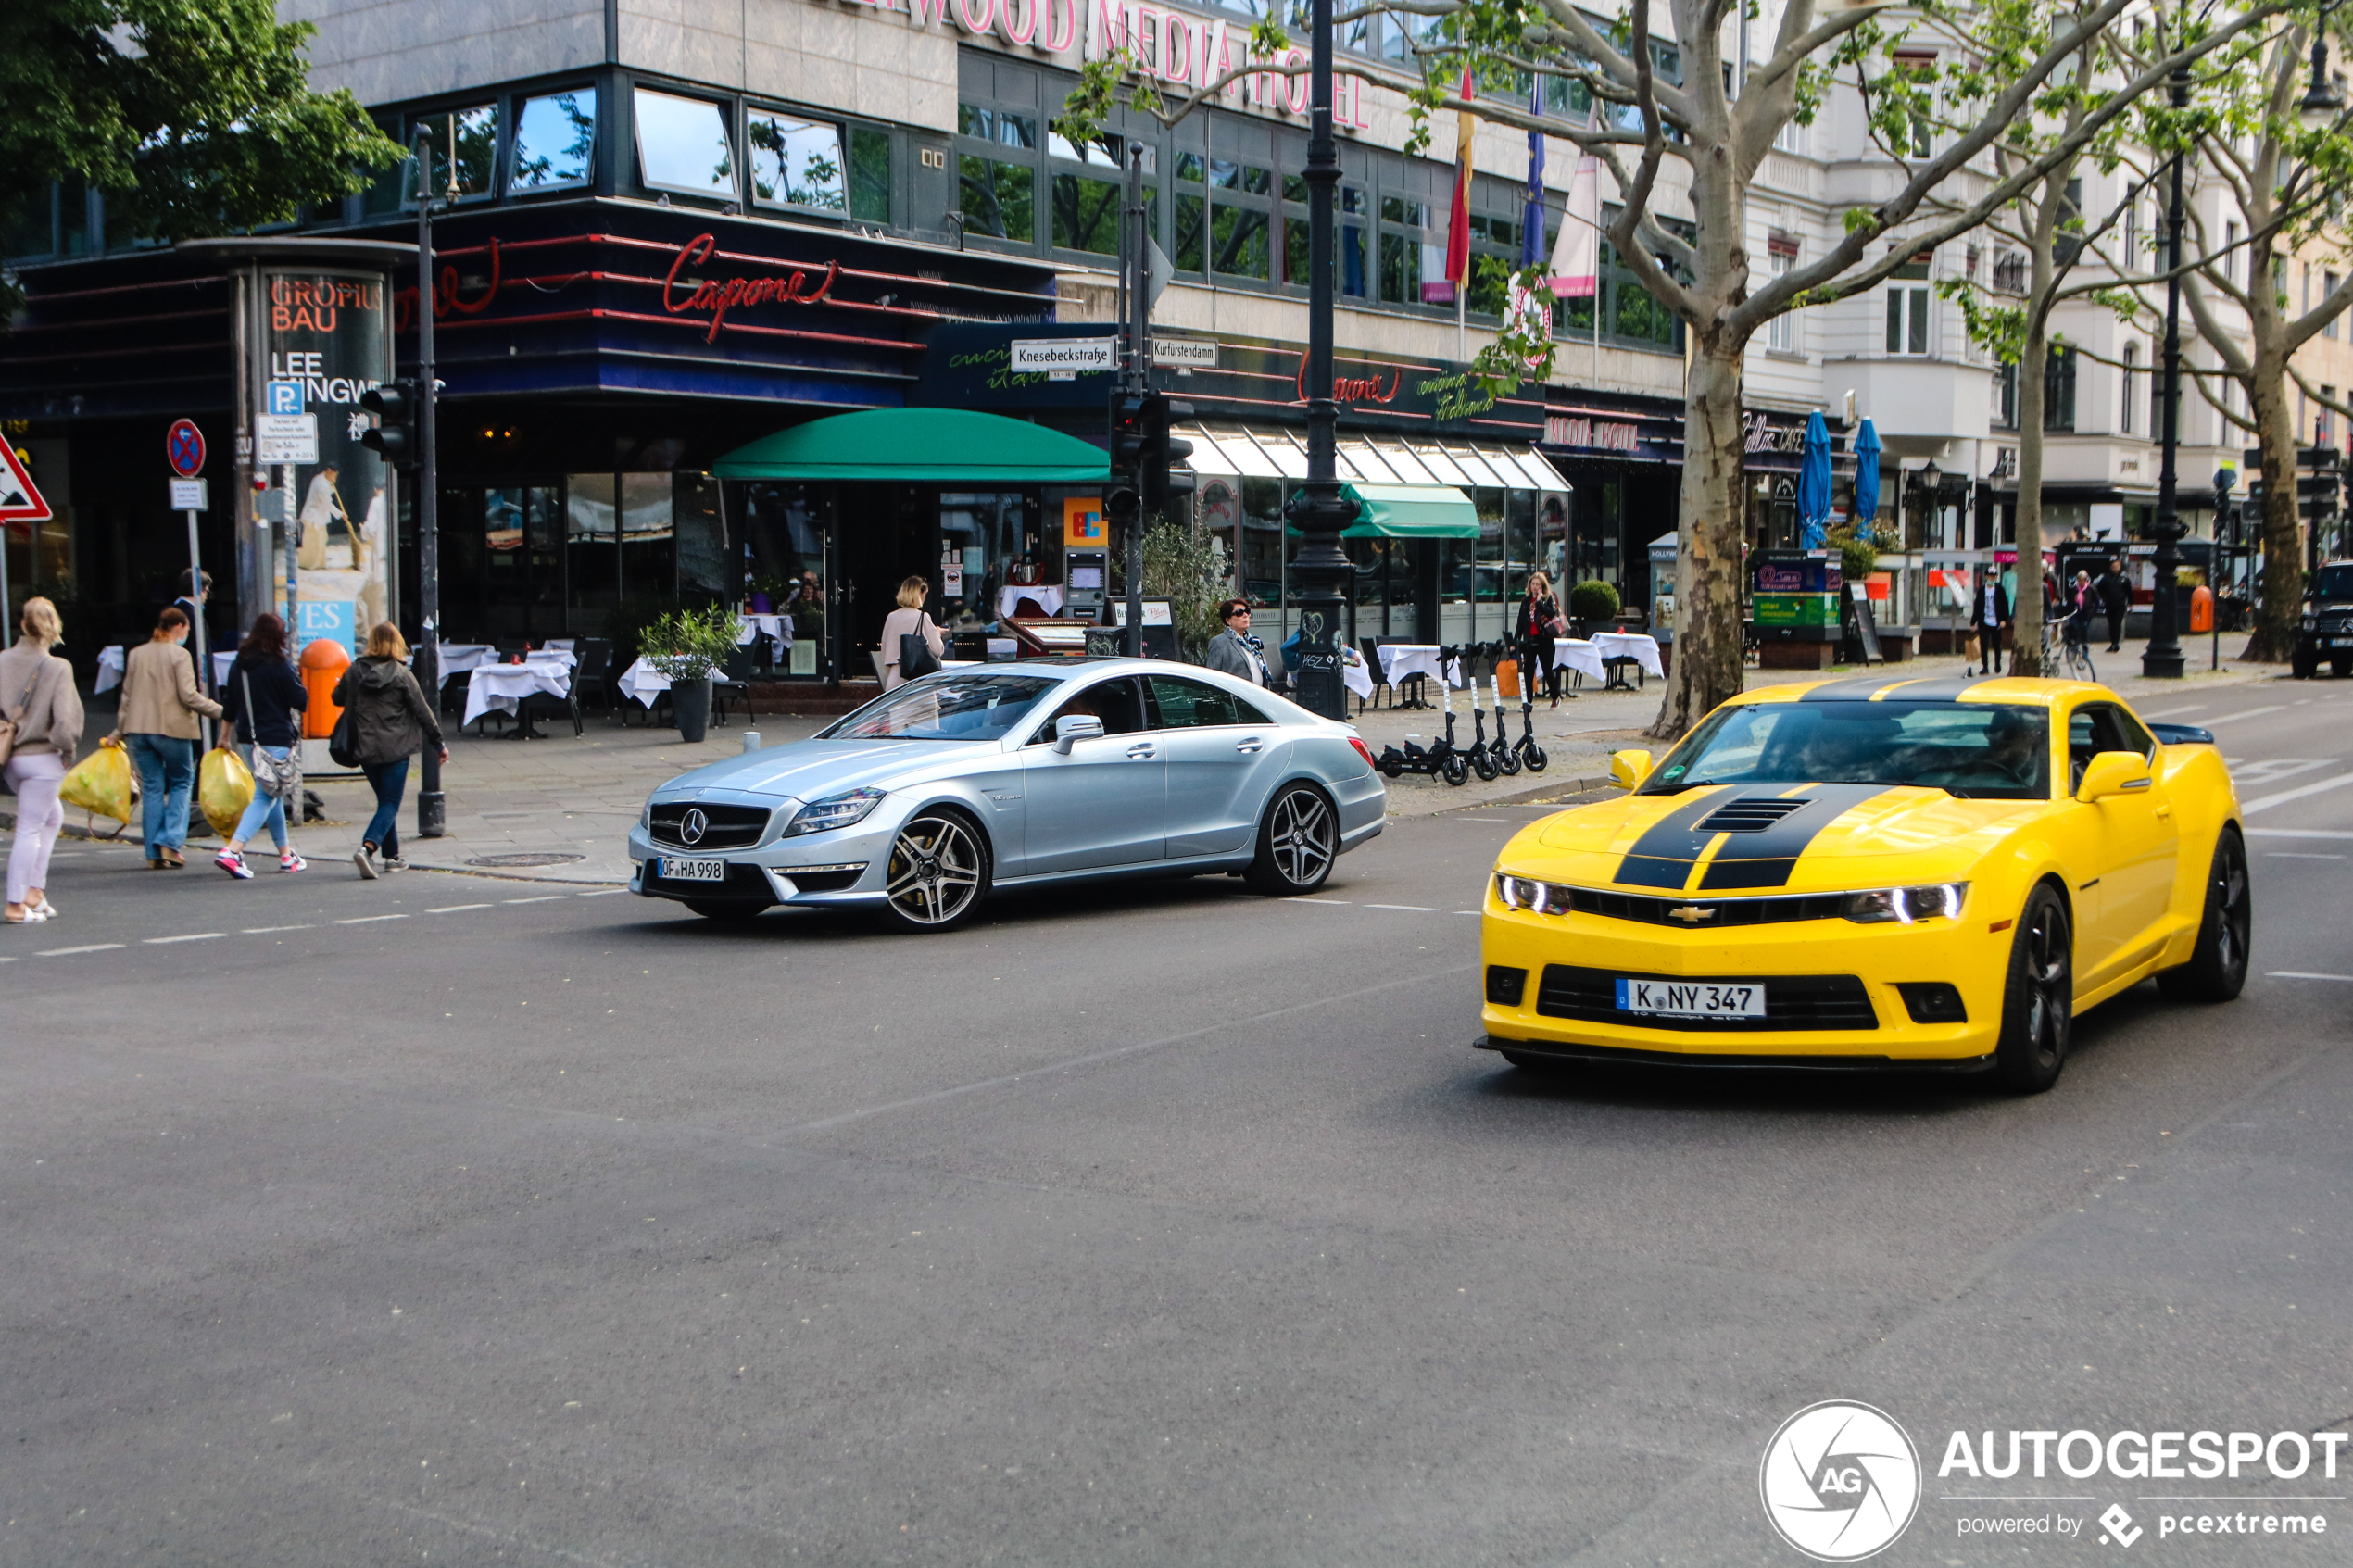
(2182, 735)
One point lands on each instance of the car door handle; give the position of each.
(1251, 745)
(1140, 751)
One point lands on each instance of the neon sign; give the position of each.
(720, 295)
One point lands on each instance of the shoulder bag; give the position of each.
(273, 776)
(915, 657)
(9, 726)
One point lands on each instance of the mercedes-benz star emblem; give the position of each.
(692, 826)
(1689, 914)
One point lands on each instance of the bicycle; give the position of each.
(2064, 652)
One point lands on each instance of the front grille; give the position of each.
(1648, 910)
(727, 827)
(1749, 816)
(1791, 1001)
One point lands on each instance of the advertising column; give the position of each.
(324, 337)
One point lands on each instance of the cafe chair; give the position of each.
(732, 682)
(1370, 648)
(595, 671)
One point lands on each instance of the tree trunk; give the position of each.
(1708, 550)
(2026, 629)
(2277, 616)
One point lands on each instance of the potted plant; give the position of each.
(1593, 605)
(687, 645)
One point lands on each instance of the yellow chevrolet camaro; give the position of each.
(1875, 873)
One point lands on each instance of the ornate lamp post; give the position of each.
(2162, 659)
(1321, 570)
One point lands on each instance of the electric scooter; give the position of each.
(1531, 756)
(1506, 756)
(1442, 760)
(1482, 761)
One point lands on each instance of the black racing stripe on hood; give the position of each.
(1860, 690)
(1664, 856)
(1940, 689)
(1767, 859)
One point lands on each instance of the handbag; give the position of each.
(9, 726)
(915, 657)
(343, 750)
(275, 777)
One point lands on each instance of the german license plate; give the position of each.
(671, 868)
(1691, 998)
(2341, 642)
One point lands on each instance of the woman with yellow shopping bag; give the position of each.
(160, 726)
(40, 727)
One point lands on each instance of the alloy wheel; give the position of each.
(1300, 836)
(2051, 982)
(2233, 914)
(934, 871)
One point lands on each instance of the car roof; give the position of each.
(2023, 690)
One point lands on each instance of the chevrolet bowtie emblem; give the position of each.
(1691, 915)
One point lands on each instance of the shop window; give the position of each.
(869, 174)
(1087, 213)
(990, 550)
(477, 152)
(796, 163)
(649, 538)
(592, 542)
(683, 146)
(1237, 242)
(1103, 151)
(555, 140)
(701, 540)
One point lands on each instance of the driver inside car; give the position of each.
(1115, 702)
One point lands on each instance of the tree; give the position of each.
(193, 116)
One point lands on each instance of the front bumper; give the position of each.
(847, 866)
(1842, 997)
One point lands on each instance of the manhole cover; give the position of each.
(535, 858)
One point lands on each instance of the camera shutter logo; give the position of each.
(692, 826)
(1841, 1481)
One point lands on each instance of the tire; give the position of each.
(1297, 841)
(2216, 968)
(2038, 1003)
(1453, 770)
(2303, 666)
(731, 914)
(1532, 758)
(1481, 763)
(2341, 667)
(1506, 760)
(938, 874)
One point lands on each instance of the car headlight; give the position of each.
(2311, 622)
(646, 818)
(834, 811)
(1527, 892)
(1906, 906)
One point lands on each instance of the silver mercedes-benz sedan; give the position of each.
(1016, 775)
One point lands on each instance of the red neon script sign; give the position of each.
(720, 295)
(1354, 389)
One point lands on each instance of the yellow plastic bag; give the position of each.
(224, 788)
(100, 782)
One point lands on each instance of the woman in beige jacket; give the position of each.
(907, 619)
(158, 725)
(37, 696)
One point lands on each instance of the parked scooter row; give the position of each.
(1489, 758)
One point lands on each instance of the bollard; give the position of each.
(751, 740)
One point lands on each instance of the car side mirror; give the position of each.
(1628, 769)
(1072, 728)
(2112, 773)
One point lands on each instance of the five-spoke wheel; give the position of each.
(1298, 840)
(939, 871)
(2038, 1005)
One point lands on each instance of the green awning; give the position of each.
(1411, 512)
(957, 446)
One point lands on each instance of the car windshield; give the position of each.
(1976, 750)
(2334, 582)
(946, 707)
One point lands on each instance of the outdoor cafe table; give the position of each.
(1401, 660)
(1641, 649)
(777, 628)
(1576, 653)
(509, 688)
(456, 658)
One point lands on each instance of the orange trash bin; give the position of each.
(323, 662)
(2201, 609)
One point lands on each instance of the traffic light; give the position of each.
(1130, 437)
(1164, 475)
(394, 406)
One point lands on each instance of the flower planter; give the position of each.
(690, 705)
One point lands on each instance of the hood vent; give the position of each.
(1749, 816)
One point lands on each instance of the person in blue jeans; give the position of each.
(263, 698)
(159, 723)
(391, 722)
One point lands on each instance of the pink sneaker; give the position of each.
(291, 862)
(234, 864)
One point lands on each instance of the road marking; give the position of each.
(2283, 796)
(543, 898)
(192, 936)
(2244, 713)
(1466, 911)
(2292, 855)
(2172, 712)
(265, 930)
(69, 952)
(2300, 974)
(1303, 898)
(601, 893)
(2298, 832)
(457, 908)
(362, 920)
(1409, 909)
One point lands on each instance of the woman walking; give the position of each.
(1538, 624)
(38, 701)
(905, 622)
(390, 723)
(158, 724)
(261, 696)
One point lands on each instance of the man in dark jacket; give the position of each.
(1989, 618)
(2116, 598)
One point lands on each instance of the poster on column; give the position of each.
(327, 339)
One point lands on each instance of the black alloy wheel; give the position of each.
(938, 874)
(1297, 841)
(2038, 1005)
(2217, 969)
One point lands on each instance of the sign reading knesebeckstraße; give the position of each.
(1033, 355)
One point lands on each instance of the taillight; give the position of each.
(1363, 750)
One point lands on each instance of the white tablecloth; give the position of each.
(1353, 674)
(458, 657)
(1576, 653)
(641, 682)
(1047, 595)
(1630, 644)
(777, 628)
(110, 668)
(1401, 659)
(503, 686)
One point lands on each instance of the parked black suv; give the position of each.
(2327, 630)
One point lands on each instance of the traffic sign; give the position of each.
(287, 438)
(20, 500)
(183, 446)
(282, 398)
(188, 495)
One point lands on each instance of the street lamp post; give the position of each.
(1317, 507)
(2162, 659)
(431, 808)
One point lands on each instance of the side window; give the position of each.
(2101, 726)
(1116, 702)
(1187, 704)
(2133, 735)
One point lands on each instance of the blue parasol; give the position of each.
(1814, 481)
(1866, 474)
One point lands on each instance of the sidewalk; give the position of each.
(559, 810)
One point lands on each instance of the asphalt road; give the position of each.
(450, 1220)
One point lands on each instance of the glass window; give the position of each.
(1187, 704)
(999, 198)
(869, 174)
(1975, 750)
(477, 156)
(948, 706)
(1237, 242)
(1116, 702)
(592, 546)
(683, 146)
(2058, 390)
(1103, 151)
(29, 227)
(1000, 126)
(1191, 219)
(648, 554)
(796, 163)
(555, 140)
(1087, 213)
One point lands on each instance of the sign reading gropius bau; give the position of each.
(1181, 48)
